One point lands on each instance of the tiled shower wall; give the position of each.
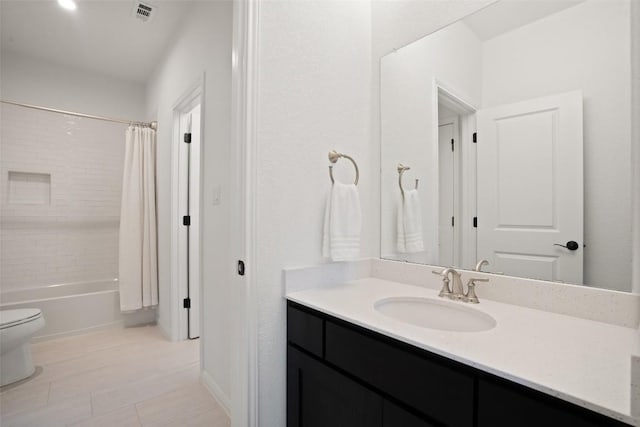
(60, 207)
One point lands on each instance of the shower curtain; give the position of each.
(138, 259)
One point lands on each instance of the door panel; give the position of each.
(189, 204)
(318, 396)
(525, 174)
(530, 187)
(446, 194)
(194, 229)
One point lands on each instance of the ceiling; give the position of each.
(99, 36)
(507, 15)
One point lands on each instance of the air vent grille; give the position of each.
(143, 11)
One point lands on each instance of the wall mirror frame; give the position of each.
(520, 135)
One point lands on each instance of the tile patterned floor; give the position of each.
(118, 377)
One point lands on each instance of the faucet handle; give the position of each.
(446, 290)
(471, 296)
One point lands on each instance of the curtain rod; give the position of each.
(152, 125)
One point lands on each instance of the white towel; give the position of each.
(410, 223)
(342, 223)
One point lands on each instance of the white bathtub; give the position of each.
(74, 308)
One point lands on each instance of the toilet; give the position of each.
(16, 329)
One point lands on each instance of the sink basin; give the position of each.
(435, 314)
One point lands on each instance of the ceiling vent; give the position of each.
(143, 11)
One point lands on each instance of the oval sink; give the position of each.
(435, 314)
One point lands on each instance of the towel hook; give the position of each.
(334, 156)
(402, 169)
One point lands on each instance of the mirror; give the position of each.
(506, 136)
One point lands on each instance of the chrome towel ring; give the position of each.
(334, 156)
(402, 169)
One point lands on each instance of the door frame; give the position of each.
(466, 201)
(244, 297)
(179, 316)
(635, 151)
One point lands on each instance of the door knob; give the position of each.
(571, 245)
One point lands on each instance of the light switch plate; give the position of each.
(217, 190)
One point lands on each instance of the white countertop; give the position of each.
(581, 361)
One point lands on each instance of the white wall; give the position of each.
(204, 46)
(314, 96)
(409, 101)
(33, 81)
(551, 56)
(62, 227)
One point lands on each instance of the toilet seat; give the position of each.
(12, 318)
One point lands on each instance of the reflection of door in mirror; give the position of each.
(456, 179)
(447, 135)
(530, 187)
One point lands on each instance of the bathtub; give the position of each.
(74, 308)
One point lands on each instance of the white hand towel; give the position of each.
(342, 223)
(410, 223)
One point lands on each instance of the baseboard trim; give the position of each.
(118, 324)
(217, 393)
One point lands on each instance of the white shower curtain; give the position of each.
(137, 258)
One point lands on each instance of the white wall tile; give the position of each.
(73, 237)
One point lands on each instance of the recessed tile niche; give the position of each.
(29, 188)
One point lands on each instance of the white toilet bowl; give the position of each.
(16, 329)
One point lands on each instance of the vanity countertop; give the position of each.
(581, 361)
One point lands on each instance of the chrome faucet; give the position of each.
(480, 264)
(456, 291)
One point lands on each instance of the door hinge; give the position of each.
(453, 221)
(475, 222)
(452, 145)
(241, 268)
(186, 303)
(475, 137)
(186, 220)
(187, 138)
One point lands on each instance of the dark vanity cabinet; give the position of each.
(339, 374)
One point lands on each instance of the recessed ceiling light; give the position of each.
(68, 4)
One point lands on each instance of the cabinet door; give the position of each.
(395, 416)
(507, 404)
(437, 388)
(318, 396)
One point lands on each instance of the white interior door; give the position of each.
(530, 187)
(189, 200)
(194, 229)
(446, 193)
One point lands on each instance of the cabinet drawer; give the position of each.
(432, 387)
(305, 330)
(503, 404)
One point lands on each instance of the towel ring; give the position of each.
(402, 169)
(334, 156)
